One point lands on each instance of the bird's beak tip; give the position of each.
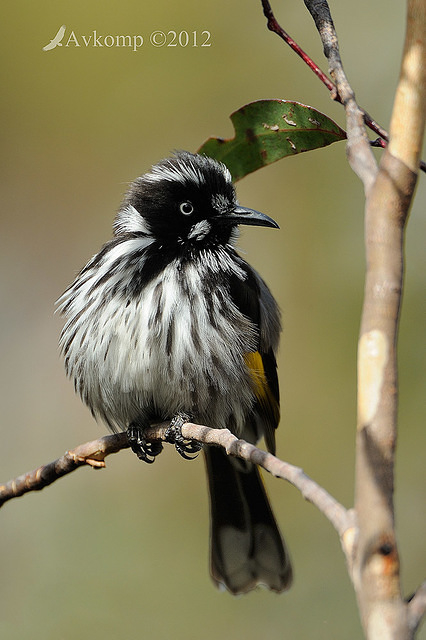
(243, 215)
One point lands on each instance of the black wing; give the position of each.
(253, 298)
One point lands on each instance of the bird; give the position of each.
(167, 322)
(56, 41)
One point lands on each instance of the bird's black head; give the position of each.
(187, 199)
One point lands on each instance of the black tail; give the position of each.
(246, 546)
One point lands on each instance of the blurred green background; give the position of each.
(122, 553)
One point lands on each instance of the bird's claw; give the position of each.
(188, 449)
(146, 451)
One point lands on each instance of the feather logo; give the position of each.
(56, 42)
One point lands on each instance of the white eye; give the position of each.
(186, 208)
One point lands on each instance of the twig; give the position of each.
(340, 518)
(276, 28)
(359, 152)
(91, 453)
(94, 453)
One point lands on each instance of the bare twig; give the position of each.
(94, 453)
(340, 518)
(359, 152)
(91, 453)
(276, 28)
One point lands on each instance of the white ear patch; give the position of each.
(129, 220)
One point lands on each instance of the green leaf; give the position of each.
(268, 130)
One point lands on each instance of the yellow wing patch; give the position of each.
(261, 388)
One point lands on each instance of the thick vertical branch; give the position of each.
(408, 117)
(389, 190)
(376, 567)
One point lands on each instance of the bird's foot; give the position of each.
(146, 451)
(188, 449)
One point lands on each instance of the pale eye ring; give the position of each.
(186, 208)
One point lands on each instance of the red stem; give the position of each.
(273, 26)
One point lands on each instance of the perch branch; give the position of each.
(94, 453)
(340, 518)
(91, 453)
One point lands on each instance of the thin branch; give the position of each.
(359, 152)
(276, 28)
(91, 453)
(340, 518)
(94, 453)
